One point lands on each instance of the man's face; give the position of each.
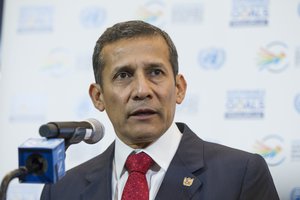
(139, 92)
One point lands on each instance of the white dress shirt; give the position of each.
(161, 151)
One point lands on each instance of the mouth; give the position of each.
(143, 113)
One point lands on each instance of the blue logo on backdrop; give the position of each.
(187, 13)
(242, 104)
(35, 19)
(92, 17)
(249, 12)
(295, 194)
(212, 58)
(297, 102)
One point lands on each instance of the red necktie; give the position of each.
(136, 187)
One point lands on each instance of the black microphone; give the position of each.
(90, 131)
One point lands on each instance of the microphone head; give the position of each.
(49, 130)
(98, 131)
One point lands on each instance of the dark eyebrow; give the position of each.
(129, 68)
(126, 68)
(155, 65)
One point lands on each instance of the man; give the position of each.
(138, 85)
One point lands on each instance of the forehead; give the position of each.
(143, 47)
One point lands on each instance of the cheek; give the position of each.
(170, 99)
(114, 112)
(114, 103)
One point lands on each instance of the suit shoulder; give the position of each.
(78, 174)
(213, 152)
(218, 153)
(91, 164)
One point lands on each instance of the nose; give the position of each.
(142, 87)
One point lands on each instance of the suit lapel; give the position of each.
(99, 178)
(182, 177)
(180, 182)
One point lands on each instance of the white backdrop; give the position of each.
(241, 59)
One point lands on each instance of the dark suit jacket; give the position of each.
(218, 173)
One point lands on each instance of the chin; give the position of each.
(143, 142)
(147, 137)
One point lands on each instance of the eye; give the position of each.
(122, 75)
(156, 72)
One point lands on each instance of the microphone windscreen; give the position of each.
(98, 131)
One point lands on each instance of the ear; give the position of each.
(96, 95)
(181, 86)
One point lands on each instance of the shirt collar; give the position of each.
(157, 150)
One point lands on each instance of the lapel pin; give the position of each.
(188, 181)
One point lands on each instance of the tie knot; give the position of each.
(140, 162)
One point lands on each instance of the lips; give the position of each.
(143, 112)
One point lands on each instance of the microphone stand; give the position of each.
(22, 171)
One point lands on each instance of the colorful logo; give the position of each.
(271, 149)
(249, 13)
(297, 103)
(273, 57)
(35, 19)
(153, 12)
(59, 62)
(187, 13)
(212, 58)
(92, 17)
(295, 194)
(245, 104)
